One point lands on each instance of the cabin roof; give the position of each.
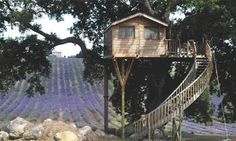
(137, 15)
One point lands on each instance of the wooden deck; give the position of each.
(167, 48)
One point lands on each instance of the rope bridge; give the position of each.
(171, 109)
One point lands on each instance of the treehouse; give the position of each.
(141, 35)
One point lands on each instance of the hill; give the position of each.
(68, 98)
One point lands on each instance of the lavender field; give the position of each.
(67, 98)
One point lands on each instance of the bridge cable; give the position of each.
(222, 105)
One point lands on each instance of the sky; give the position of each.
(62, 30)
(52, 26)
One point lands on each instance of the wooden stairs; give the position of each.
(196, 81)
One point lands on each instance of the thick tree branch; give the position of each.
(57, 41)
(6, 2)
(37, 30)
(166, 15)
(148, 6)
(167, 11)
(74, 40)
(54, 39)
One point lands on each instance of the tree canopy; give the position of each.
(26, 57)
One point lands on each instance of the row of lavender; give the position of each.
(67, 97)
(217, 128)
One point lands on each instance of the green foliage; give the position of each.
(227, 75)
(93, 16)
(93, 68)
(23, 59)
(200, 5)
(202, 109)
(215, 20)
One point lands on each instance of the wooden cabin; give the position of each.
(138, 35)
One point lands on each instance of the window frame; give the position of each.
(126, 32)
(151, 29)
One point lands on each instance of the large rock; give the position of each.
(4, 136)
(100, 133)
(47, 120)
(85, 130)
(17, 127)
(51, 128)
(66, 136)
(34, 133)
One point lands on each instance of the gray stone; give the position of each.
(34, 133)
(17, 127)
(85, 130)
(4, 136)
(99, 133)
(48, 120)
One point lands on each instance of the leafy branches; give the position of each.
(23, 59)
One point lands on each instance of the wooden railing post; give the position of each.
(149, 127)
(105, 99)
(180, 122)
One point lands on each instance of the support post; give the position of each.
(123, 77)
(105, 99)
(180, 119)
(179, 129)
(174, 129)
(123, 99)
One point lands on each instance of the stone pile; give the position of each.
(22, 130)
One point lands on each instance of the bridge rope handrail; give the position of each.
(183, 83)
(189, 77)
(164, 112)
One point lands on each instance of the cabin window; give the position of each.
(151, 33)
(126, 32)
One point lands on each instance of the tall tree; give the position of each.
(26, 57)
(215, 20)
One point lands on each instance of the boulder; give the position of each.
(85, 130)
(47, 120)
(51, 128)
(4, 136)
(17, 127)
(66, 136)
(100, 133)
(34, 133)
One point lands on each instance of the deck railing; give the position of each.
(167, 47)
(175, 48)
(172, 47)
